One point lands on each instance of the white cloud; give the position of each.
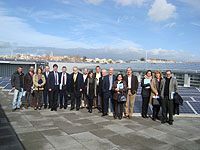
(178, 55)
(181, 34)
(130, 2)
(43, 16)
(161, 11)
(64, 1)
(196, 24)
(95, 2)
(169, 25)
(14, 29)
(194, 3)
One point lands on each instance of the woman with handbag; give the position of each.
(119, 89)
(90, 90)
(155, 99)
(38, 83)
(146, 92)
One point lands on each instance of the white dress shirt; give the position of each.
(129, 81)
(85, 77)
(98, 75)
(65, 75)
(47, 74)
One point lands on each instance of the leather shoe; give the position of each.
(130, 117)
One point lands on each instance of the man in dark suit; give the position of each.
(100, 90)
(97, 75)
(107, 91)
(84, 101)
(64, 87)
(132, 84)
(53, 83)
(46, 89)
(76, 88)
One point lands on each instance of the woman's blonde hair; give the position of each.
(156, 72)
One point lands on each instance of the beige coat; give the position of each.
(35, 82)
(153, 89)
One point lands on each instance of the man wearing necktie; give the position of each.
(76, 88)
(46, 89)
(64, 87)
(53, 81)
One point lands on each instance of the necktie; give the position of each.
(56, 78)
(74, 78)
(64, 79)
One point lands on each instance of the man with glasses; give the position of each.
(168, 87)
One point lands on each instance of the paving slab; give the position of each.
(80, 130)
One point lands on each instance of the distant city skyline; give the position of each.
(116, 29)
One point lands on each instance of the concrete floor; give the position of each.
(79, 130)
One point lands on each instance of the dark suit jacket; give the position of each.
(75, 87)
(28, 82)
(146, 92)
(51, 80)
(100, 86)
(122, 91)
(15, 80)
(134, 83)
(47, 83)
(68, 80)
(106, 84)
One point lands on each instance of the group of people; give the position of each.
(95, 90)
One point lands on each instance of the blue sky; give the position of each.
(167, 28)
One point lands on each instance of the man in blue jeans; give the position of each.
(17, 82)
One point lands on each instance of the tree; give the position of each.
(84, 58)
(142, 59)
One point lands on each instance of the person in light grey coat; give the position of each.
(168, 87)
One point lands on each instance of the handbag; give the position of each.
(155, 101)
(40, 81)
(121, 98)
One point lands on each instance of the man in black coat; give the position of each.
(28, 87)
(53, 85)
(76, 88)
(100, 89)
(107, 91)
(64, 79)
(17, 82)
(46, 89)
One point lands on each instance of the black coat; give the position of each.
(51, 80)
(100, 86)
(90, 87)
(146, 92)
(134, 83)
(15, 80)
(66, 87)
(106, 84)
(46, 86)
(28, 82)
(178, 99)
(76, 86)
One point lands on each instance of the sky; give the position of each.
(121, 29)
